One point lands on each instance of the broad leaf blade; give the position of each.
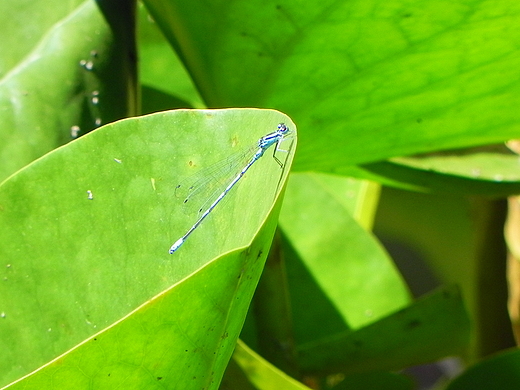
(496, 372)
(434, 327)
(491, 170)
(166, 342)
(166, 83)
(337, 271)
(410, 177)
(260, 372)
(74, 73)
(86, 229)
(380, 79)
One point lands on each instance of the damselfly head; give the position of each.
(282, 128)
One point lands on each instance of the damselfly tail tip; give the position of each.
(177, 245)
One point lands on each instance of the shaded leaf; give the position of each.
(336, 270)
(497, 372)
(262, 374)
(433, 327)
(75, 73)
(161, 71)
(375, 381)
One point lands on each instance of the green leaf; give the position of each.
(336, 268)
(161, 70)
(375, 381)
(411, 177)
(364, 80)
(491, 170)
(86, 231)
(165, 342)
(496, 372)
(66, 72)
(262, 374)
(493, 163)
(433, 327)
